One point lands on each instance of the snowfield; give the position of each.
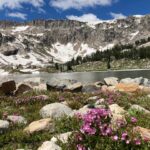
(20, 28)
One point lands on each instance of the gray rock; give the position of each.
(4, 124)
(138, 81)
(146, 82)
(60, 85)
(17, 119)
(55, 110)
(76, 87)
(90, 88)
(111, 81)
(139, 108)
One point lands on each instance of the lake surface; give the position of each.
(83, 77)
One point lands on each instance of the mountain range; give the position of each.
(40, 43)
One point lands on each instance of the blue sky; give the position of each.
(82, 10)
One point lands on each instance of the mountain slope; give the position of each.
(41, 42)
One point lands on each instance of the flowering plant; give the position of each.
(96, 125)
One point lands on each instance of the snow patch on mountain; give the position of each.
(133, 35)
(3, 72)
(61, 52)
(107, 47)
(20, 28)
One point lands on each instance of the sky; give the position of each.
(81, 10)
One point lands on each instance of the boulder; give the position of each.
(49, 145)
(59, 85)
(8, 87)
(116, 109)
(128, 88)
(146, 82)
(17, 119)
(76, 87)
(40, 125)
(98, 84)
(55, 110)
(145, 133)
(23, 88)
(138, 81)
(62, 137)
(4, 124)
(111, 81)
(90, 88)
(40, 87)
(145, 90)
(139, 108)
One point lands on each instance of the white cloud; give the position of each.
(79, 4)
(117, 15)
(85, 18)
(15, 4)
(18, 15)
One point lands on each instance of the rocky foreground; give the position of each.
(68, 115)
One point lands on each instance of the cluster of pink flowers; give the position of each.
(96, 118)
(110, 96)
(97, 123)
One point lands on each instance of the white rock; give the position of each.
(62, 137)
(139, 108)
(111, 81)
(17, 119)
(116, 109)
(100, 101)
(93, 98)
(49, 145)
(55, 110)
(4, 124)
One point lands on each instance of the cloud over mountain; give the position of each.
(18, 15)
(79, 4)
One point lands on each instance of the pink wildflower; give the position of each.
(124, 136)
(133, 120)
(80, 147)
(115, 138)
(137, 142)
